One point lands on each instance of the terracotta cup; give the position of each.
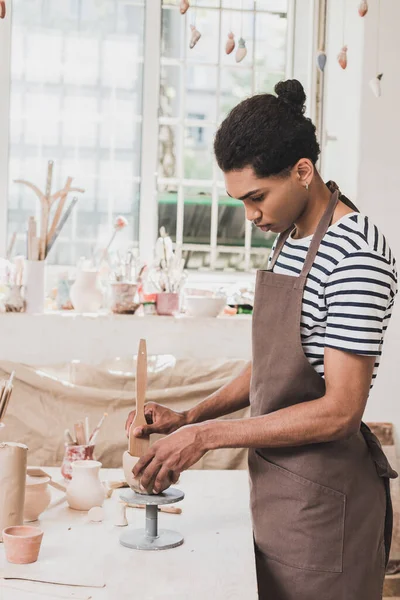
(167, 303)
(22, 544)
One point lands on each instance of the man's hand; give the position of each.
(167, 458)
(160, 419)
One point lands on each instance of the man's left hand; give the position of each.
(167, 458)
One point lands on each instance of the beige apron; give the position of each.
(322, 514)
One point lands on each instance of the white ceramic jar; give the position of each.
(86, 293)
(85, 490)
(37, 497)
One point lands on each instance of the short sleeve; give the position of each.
(359, 296)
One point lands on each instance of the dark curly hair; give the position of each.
(269, 133)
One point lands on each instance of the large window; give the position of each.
(76, 98)
(110, 91)
(198, 88)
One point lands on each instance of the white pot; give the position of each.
(34, 276)
(37, 497)
(201, 306)
(86, 293)
(85, 490)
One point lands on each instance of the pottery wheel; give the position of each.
(152, 538)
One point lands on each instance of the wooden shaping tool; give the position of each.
(138, 446)
(38, 472)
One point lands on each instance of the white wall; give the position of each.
(378, 178)
(364, 159)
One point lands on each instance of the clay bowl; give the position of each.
(22, 544)
(37, 497)
(128, 462)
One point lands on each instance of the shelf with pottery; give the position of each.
(59, 337)
(216, 559)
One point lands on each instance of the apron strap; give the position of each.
(315, 242)
(319, 234)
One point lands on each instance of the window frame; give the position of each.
(302, 30)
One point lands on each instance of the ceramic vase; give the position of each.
(37, 497)
(34, 282)
(22, 544)
(86, 293)
(85, 490)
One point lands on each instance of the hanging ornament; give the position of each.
(241, 51)
(2, 9)
(196, 35)
(184, 5)
(230, 43)
(342, 57)
(321, 60)
(375, 85)
(363, 8)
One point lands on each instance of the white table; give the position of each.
(216, 560)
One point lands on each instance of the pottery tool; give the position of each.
(116, 485)
(62, 195)
(96, 430)
(87, 430)
(37, 472)
(138, 446)
(173, 510)
(151, 537)
(79, 429)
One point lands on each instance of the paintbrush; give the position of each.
(11, 245)
(80, 433)
(96, 430)
(6, 395)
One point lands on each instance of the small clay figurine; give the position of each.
(241, 51)
(342, 57)
(184, 5)
(120, 519)
(230, 44)
(363, 8)
(196, 35)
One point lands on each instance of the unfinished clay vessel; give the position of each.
(128, 462)
(85, 489)
(22, 544)
(37, 497)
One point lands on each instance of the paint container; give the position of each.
(123, 298)
(73, 453)
(168, 303)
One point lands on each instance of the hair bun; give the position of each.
(292, 93)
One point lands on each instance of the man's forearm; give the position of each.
(231, 397)
(304, 423)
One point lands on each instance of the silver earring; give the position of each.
(307, 186)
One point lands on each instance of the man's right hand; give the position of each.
(160, 419)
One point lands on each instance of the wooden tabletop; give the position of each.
(216, 560)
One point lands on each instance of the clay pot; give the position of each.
(37, 497)
(86, 294)
(167, 303)
(85, 490)
(22, 544)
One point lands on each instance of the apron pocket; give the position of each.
(296, 521)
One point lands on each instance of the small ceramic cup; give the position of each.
(168, 303)
(22, 544)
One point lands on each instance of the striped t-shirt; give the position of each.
(350, 290)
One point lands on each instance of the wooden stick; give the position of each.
(80, 433)
(60, 207)
(61, 224)
(138, 446)
(86, 430)
(11, 245)
(173, 510)
(32, 233)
